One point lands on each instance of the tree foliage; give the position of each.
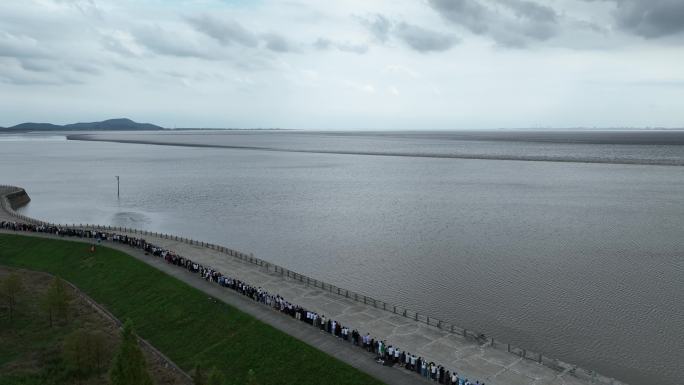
(251, 378)
(10, 288)
(216, 377)
(198, 377)
(129, 367)
(56, 301)
(98, 349)
(84, 352)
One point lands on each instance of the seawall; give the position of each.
(470, 352)
(17, 198)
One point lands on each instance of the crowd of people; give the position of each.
(384, 353)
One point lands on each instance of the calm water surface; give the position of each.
(583, 262)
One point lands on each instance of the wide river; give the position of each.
(580, 261)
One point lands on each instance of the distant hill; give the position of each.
(33, 127)
(106, 125)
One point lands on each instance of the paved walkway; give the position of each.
(470, 359)
(474, 361)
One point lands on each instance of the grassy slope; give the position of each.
(178, 319)
(31, 351)
(28, 345)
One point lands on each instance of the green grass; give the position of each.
(179, 320)
(31, 350)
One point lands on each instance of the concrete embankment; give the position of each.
(18, 198)
(469, 353)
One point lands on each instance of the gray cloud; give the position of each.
(424, 40)
(326, 44)
(508, 22)
(20, 46)
(650, 18)
(469, 13)
(29, 71)
(86, 69)
(114, 44)
(415, 37)
(36, 65)
(530, 10)
(278, 43)
(379, 26)
(225, 31)
(87, 7)
(25, 60)
(164, 42)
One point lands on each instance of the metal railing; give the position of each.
(480, 338)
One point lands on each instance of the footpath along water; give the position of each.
(468, 352)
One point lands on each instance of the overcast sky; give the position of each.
(355, 64)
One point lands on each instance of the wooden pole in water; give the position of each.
(117, 187)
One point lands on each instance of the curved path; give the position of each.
(474, 360)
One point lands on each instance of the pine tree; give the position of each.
(75, 353)
(85, 351)
(216, 377)
(98, 349)
(56, 301)
(128, 367)
(198, 376)
(251, 378)
(10, 287)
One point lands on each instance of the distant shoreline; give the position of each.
(527, 158)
